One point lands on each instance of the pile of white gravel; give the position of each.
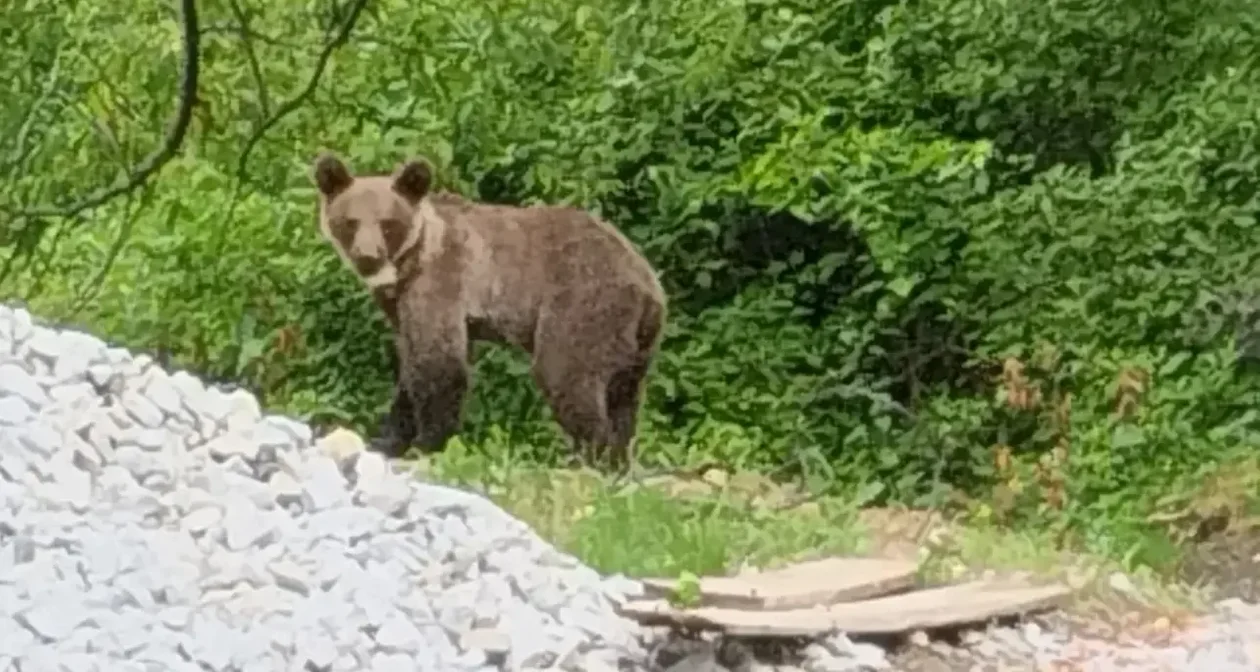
(150, 522)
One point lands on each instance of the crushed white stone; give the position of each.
(150, 522)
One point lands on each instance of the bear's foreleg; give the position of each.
(432, 345)
(397, 428)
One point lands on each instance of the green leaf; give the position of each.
(1173, 363)
(1126, 436)
(901, 286)
(867, 493)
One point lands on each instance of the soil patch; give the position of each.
(1228, 562)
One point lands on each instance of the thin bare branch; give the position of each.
(38, 276)
(255, 70)
(131, 212)
(235, 30)
(170, 145)
(23, 248)
(291, 105)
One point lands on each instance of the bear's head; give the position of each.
(370, 219)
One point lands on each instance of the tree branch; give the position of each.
(170, 145)
(234, 29)
(131, 212)
(291, 105)
(247, 43)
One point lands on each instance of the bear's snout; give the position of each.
(368, 265)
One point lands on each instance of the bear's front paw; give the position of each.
(390, 439)
(388, 444)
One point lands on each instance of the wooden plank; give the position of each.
(802, 585)
(955, 605)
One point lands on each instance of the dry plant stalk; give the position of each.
(1008, 487)
(1052, 469)
(1021, 393)
(1131, 385)
(288, 340)
(1002, 459)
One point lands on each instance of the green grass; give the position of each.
(718, 523)
(654, 531)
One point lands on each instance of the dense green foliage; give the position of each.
(865, 212)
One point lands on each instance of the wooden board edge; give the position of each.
(660, 613)
(898, 576)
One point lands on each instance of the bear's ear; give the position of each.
(413, 179)
(331, 175)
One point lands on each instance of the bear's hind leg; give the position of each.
(586, 336)
(578, 400)
(625, 394)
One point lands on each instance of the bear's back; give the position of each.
(555, 246)
(512, 259)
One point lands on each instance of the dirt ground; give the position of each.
(1230, 561)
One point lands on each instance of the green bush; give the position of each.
(864, 212)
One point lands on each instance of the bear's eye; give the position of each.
(393, 231)
(347, 225)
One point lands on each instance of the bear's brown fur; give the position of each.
(557, 282)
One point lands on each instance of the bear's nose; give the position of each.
(368, 265)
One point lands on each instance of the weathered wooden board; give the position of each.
(955, 605)
(802, 585)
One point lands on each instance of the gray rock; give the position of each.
(142, 465)
(105, 378)
(15, 381)
(345, 524)
(245, 525)
(84, 455)
(141, 410)
(286, 490)
(276, 433)
(839, 654)
(72, 399)
(202, 519)
(397, 633)
(242, 410)
(39, 439)
(227, 446)
(316, 650)
(50, 621)
(20, 326)
(14, 412)
(493, 643)
(161, 390)
(148, 440)
(392, 662)
(258, 493)
(325, 485)
(377, 486)
(71, 487)
(291, 576)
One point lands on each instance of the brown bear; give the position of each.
(557, 282)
